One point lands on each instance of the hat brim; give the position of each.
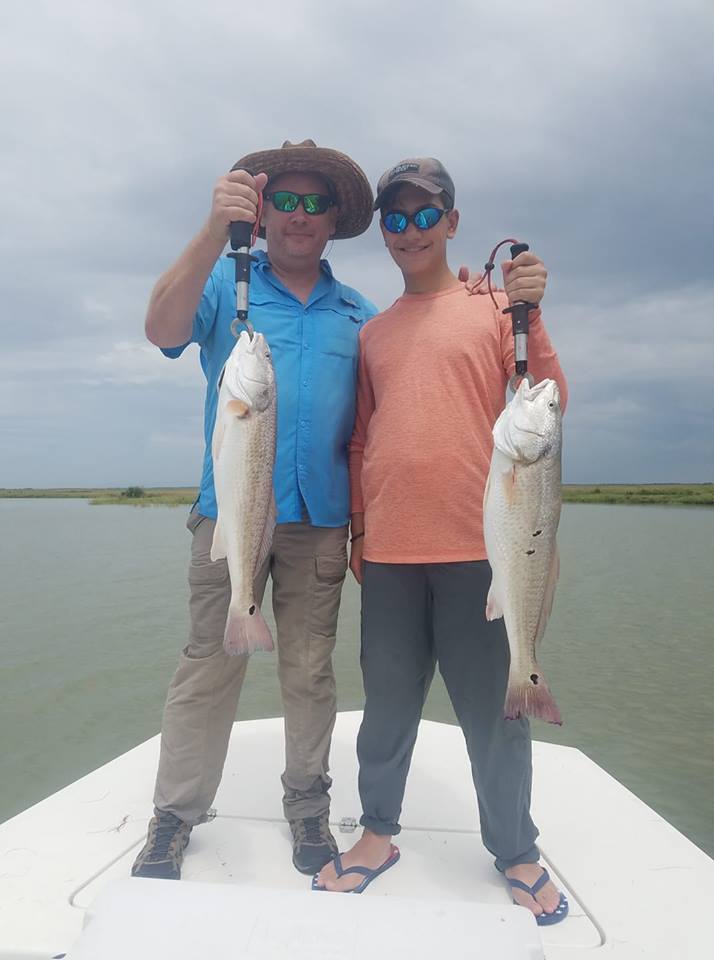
(353, 192)
(427, 185)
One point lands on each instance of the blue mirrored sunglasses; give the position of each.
(423, 219)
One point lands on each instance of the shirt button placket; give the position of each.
(304, 403)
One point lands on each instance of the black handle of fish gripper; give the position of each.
(517, 248)
(519, 315)
(241, 234)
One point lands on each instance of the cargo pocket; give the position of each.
(210, 596)
(327, 590)
(331, 569)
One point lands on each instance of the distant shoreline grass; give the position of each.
(671, 494)
(108, 496)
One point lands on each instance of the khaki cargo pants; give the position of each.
(307, 565)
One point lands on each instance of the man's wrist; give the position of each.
(216, 236)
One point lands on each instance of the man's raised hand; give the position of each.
(235, 197)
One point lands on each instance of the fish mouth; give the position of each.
(535, 433)
(253, 380)
(543, 387)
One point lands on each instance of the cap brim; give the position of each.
(398, 182)
(353, 192)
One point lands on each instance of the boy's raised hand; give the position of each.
(524, 278)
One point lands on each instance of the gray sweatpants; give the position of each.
(307, 565)
(413, 617)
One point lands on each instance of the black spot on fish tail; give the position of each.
(530, 552)
(535, 678)
(251, 609)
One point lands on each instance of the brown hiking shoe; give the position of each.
(313, 843)
(162, 854)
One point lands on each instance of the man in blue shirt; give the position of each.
(311, 322)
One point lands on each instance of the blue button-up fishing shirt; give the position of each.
(314, 347)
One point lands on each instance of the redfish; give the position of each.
(243, 458)
(521, 514)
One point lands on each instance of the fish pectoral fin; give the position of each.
(218, 547)
(547, 605)
(508, 479)
(219, 429)
(486, 491)
(266, 542)
(493, 607)
(237, 408)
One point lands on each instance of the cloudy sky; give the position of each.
(586, 129)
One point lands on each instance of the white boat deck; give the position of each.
(637, 887)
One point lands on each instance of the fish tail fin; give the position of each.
(530, 696)
(246, 632)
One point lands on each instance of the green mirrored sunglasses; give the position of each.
(313, 203)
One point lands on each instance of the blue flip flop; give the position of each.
(543, 919)
(369, 875)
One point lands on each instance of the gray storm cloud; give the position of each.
(586, 131)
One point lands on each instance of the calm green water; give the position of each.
(93, 614)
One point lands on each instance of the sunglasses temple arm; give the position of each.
(519, 315)
(241, 233)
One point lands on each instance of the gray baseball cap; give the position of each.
(424, 172)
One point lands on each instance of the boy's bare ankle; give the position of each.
(376, 841)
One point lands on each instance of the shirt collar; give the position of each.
(324, 286)
(262, 263)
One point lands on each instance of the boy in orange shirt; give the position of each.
(432, 381)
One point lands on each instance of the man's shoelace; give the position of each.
(165, 833)
(313, 831)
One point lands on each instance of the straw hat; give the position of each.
(349, 184)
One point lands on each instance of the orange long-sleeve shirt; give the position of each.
(433, 373)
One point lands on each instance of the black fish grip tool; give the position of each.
(519, 314)
(241, 237)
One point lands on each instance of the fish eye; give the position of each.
(551, 404)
